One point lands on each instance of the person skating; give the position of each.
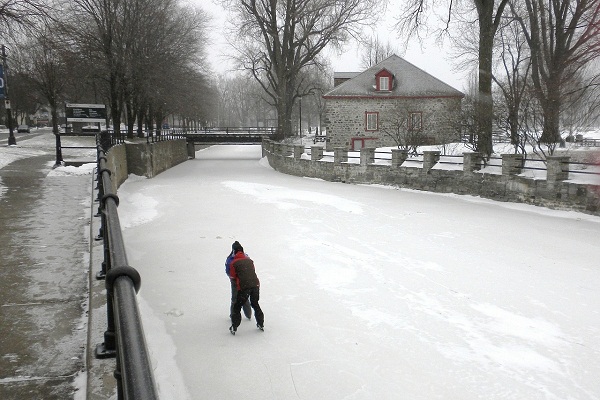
(243, 272)
(246, 307)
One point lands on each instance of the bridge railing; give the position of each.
(124, 337)
(110, 138)
(268, 130)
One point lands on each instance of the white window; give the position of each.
(384, 83)
(416, 121)
(372, 123)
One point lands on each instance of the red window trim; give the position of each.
(376, 113)
(363, 140)
(384, 73)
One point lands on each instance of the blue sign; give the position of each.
(1, 81)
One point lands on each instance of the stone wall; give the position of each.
(554, 192)
(345, 119)
(150, 159)
(144, 159)
(116, 162)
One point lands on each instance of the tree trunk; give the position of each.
(54, 114)
(484, 104)
(115, 110)
(140, 121)
(130, 117)
(551, 108)
(285, 104)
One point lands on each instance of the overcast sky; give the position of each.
(432, 58)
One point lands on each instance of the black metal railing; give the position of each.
(124, 336)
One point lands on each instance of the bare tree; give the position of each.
(276, 40)
(375, 51)
(20, 13)
(489, 15)
(139, 50)
(563, 36)
(167, 43)
(399, 125)
(242, 101)
(582, 101)
(512, 80)
(43, 62)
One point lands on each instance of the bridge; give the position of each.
(229, 135)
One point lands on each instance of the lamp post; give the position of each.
(300, 116)
(11, 136)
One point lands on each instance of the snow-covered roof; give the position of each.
(409, 80)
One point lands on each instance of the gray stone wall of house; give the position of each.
(345, 119)
(554, 192)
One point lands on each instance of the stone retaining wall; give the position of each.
(554, 192)
(144, 159)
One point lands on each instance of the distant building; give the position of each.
(341, 77)
(390, 99)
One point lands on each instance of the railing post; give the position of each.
(430, 158)
(472, 161)
(340, 155)
(367, 156)
(512, 164)
(557, 168)
(398, 157)
(316, 153)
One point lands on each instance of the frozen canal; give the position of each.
(368, 292)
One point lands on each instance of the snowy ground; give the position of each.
(368, 292)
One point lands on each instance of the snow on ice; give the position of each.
(369, 292)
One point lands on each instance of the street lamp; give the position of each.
(11, 137)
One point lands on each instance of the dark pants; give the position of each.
(242, 297)
(246, 306)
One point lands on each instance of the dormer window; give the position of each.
(384, 81)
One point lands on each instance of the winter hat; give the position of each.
(236, 246)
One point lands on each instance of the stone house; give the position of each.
(391, 102)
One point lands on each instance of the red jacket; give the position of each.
(242, 270)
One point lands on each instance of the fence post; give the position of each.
(512, 164)
(316, 153)
(287, 150)
(191, 149)
(340, 155)
(430, 158)
(557, 168)
(471, 161)
(298, 151)
(398, 157)
(367, 156)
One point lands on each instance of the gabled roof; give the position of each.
(409, 81)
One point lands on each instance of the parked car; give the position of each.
(23, 129)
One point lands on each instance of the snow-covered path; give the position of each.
(368, 292)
